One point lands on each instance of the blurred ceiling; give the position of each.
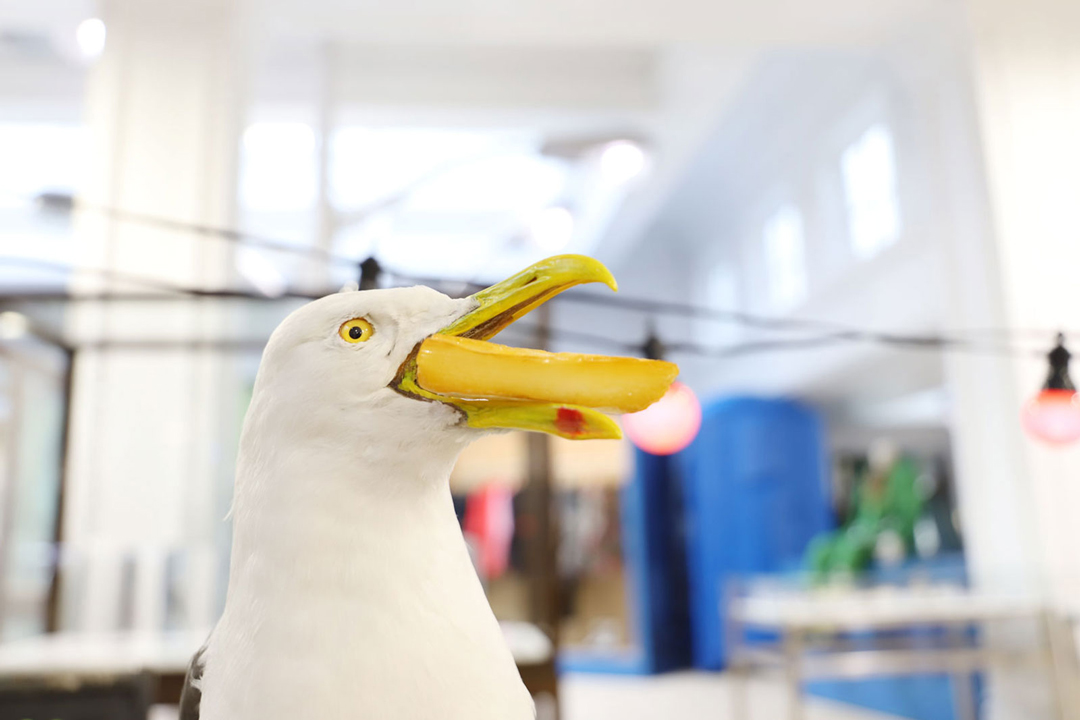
(762, 24)
(690, 79)
(559, 70)
(648, 23)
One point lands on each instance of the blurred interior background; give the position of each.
(854, 226)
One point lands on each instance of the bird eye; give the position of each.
(357, 330)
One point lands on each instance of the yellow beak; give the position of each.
(495, 386)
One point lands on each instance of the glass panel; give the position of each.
(32, 433)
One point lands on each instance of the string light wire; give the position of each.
(994, 341)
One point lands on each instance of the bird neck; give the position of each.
(351, 591)
(355, 580)
(308, 519)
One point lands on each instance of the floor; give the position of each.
(685, 696)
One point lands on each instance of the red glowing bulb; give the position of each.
(1053, 416)
(667, 426)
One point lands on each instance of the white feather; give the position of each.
(351, 593)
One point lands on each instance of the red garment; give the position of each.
(489, 518)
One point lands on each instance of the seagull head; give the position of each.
(408, 367)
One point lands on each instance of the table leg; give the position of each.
(793, 656)
(963, 685)
(1057, 643)
(963, 690)
(738, 668)
(738, 672)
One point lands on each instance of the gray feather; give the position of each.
(191, 695)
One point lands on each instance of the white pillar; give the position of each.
(164, 107)
(1027, 78)
(1019, 268)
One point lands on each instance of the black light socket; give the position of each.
(1059, 367)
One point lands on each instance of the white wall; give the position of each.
(780, 142)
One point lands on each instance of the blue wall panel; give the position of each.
(756, 493)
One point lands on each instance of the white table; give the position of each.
(66, 658)
(814, 628)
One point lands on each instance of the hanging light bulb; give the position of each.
(90, 37)
(622, 160)
(671, 423)
(1053, 415)
(668, 425)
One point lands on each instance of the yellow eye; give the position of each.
(357, 330)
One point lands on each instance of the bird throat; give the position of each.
(356, 582)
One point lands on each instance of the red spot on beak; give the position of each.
(569, 421)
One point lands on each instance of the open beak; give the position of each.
(495, 386)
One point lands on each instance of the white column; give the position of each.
(1027, 78)
(164, 106)
(1018, 267)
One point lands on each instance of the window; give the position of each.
(38, 158)
(868, 167)
(721, 288)
(785, 257)
(278, 172)
(278, 187)
(721, 292)
(449, 202)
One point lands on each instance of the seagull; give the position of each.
(352, 595)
